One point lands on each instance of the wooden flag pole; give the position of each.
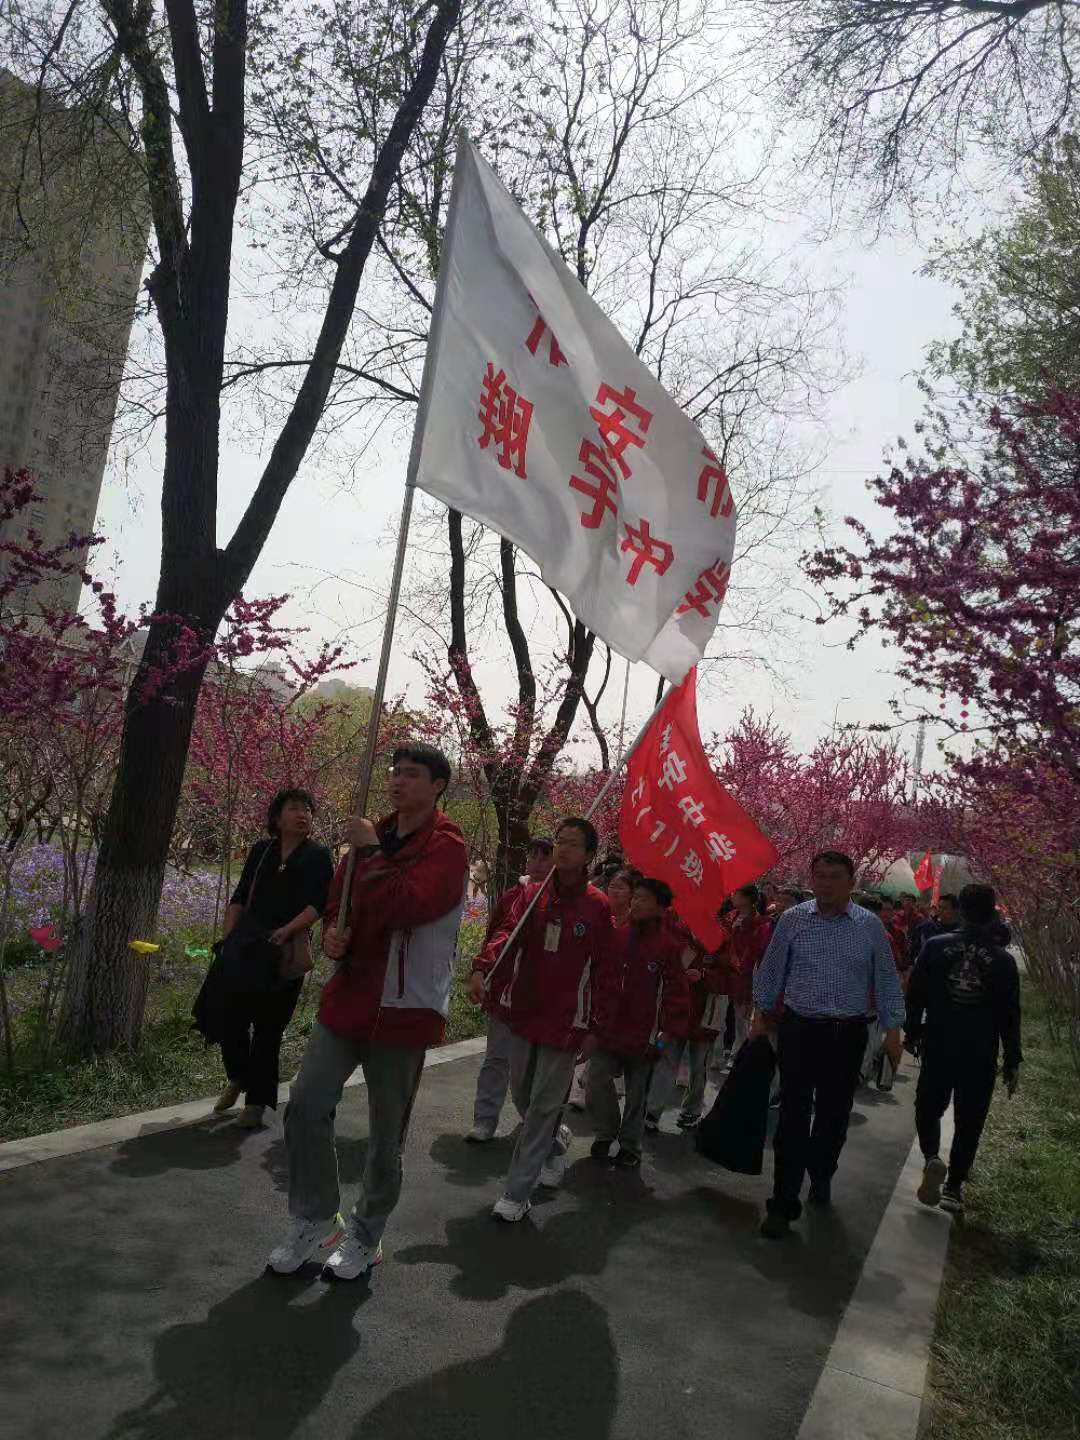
(371, 742)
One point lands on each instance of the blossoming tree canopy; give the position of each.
(545, 425)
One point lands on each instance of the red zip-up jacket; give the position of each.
(394, 985)
(642, 992)
(747, 941)
(561, 949)
(499, 917)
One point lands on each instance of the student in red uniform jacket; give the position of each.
(708, 984)
(494, 1077)
(385, 1004)
(642, 997)
(619, 889)
(748, 935)
(562, 946)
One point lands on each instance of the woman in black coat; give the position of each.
(284, 886)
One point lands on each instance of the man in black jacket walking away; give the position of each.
(962, 1002)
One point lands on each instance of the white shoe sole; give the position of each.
(929, 1192)
(329, 1273)
(328, 1242)
(474, 1139)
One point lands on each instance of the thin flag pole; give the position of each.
(622, 717)
(427, 382)
(597, 802)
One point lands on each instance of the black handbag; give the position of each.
(246, 962)
(733, 1133)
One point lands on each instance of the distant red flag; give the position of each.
(680, 825)
(924, 875)
(937, 887)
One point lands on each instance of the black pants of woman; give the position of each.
(251, 1033)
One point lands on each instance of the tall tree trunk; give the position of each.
(106, 990)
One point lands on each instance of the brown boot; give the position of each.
(250, 1117)
(227, 1099)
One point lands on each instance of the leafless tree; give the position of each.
(898, 92)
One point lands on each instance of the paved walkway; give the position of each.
(133, 1303)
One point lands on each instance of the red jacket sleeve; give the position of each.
(493, 945)
(413, 892)
(607, 974)
(675, 1000)
(500, 913)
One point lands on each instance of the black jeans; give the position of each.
(819, 1074)
(252, 1031)
(968, 1081)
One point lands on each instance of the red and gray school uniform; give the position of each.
(385, 1004)
(548, 1004)
(494, 1077)
(641, 998)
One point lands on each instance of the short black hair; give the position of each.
(541, 846)
(978, 904)
(627, 872)
(752, 893)
(430, 756)
(280, 800)
(659, 888)
(833, 857)
(950, 897)
(794, 894)
(587, 828)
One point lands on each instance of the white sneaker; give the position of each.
(564, 1138)
(509, 1210)
(929, 1192)
(551, 1176)
(480, 1135)
(352, 1258)
(304, 1239)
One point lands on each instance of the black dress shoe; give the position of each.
(627, 1160)
(820, 1193)
(775, 1225)
(601, 1151)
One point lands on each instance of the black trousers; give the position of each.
(252, 1029)
(819, 1074)
(968, 1081)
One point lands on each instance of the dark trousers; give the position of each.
(252, 1029)
(968, 1081)
(819, 1073)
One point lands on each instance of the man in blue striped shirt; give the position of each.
(831, 963)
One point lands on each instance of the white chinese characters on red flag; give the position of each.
(544, 425)
(679, 824)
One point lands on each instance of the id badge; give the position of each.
(552, 933)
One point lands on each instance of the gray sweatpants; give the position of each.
(629, 1127)
(666, 1072)
(392, 1078)
(494, 1077)
(540, 1078)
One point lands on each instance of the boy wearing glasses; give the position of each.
(384, 1006)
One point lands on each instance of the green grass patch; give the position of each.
(1005, 1362)
(172, 1063)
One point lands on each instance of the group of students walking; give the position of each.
(569, 976)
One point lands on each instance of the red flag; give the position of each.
(678, 824)
(924, 875)
(937, 887)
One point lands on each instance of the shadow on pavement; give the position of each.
(555, 1373)
(491, 1259)
(473, 1165)
(816, 1264)
(256, 1366)
(209, 1144)
(351, 1155)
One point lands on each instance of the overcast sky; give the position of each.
(891, 313)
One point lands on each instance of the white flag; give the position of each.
(543, 424)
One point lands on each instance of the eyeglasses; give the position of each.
(397, 772)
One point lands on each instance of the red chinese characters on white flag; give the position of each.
(680, 825)
(542, 423)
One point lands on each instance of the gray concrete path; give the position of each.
(133, 1304)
